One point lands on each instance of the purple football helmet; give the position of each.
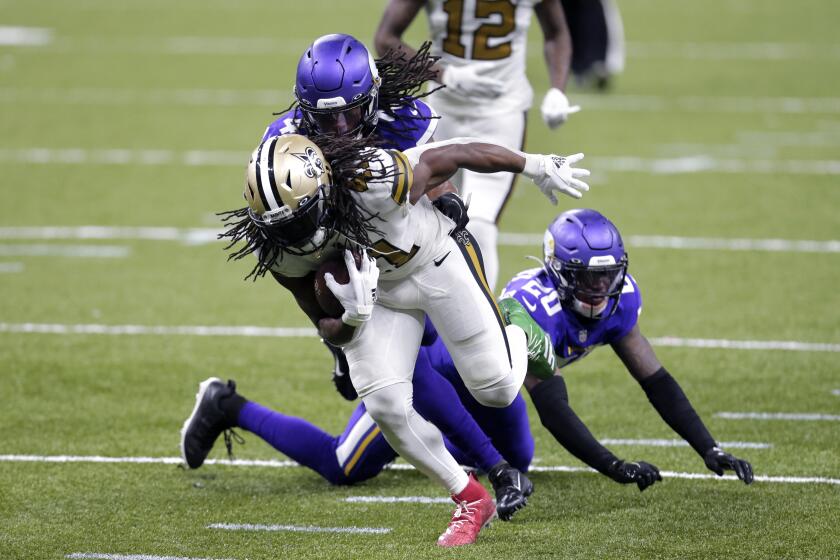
(585, 259)
(337, 87)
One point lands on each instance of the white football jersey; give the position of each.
(492, 33)
(297, 266)
(409, 235)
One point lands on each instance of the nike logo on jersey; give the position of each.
(443, 258)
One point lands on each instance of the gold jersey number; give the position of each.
(453, 43)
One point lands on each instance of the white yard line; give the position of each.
(78, 251)
(106, 556)
(160, 330)
(793, 345)
(298, 332)
(299, 528)
(11, 267)
(11, 36)
(682, 443)
(398, 466)
(396, 500)
(196, 236)
(656, 166)
(692, 243)
(835, 392)
(204, 158)
(280, 99)
(795, 416)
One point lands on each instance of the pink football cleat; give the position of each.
(475, 510)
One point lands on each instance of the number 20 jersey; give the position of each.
(491, 34)
(572, 336)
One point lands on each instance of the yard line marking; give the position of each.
(281, 99)
(247, 331)
(103, 556)
(169, 97)
(709, 164)
(80, 251)
(300, 528)
(185, 235)
(807, 416)
(695, 243)
(745, 344)
(731, 51)
(683, 443)
(195, 236)
(703, 104)
(656, 166)
(11, 267)
(396, 500)
(835, 392)
(11, 36)
(271, 463)
(300, 332)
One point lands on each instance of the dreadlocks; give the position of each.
(402, 77)
(349, 158)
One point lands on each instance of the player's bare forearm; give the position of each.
(303, 289)
(396, 18)
(439, 164)
(637, 354)
(557, 44)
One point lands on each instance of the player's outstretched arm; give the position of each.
(669, 400)
(557, 49)
(551, 400)
(435, 163)
(396, 18)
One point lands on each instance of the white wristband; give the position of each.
(534, 165)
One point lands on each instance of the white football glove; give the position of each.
(555, 174)
(555, 108)
(357, 296)
(466, 80)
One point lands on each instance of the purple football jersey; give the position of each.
(572, 336)
(414, 126)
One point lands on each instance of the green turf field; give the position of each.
(141, 114)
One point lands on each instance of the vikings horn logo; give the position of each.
(312, 164)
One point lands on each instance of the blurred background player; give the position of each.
(496, 441)
(597, 41)
(483, 46)
(584, 298)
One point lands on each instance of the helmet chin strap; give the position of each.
(589, 311)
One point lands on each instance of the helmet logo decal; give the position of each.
(312, 164)
(582, 335)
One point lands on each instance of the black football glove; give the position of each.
(643, 474)
(450, 205)
(341, 373)
(719, 460)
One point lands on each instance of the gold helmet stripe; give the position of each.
(265, 173)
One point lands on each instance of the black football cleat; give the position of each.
(209, 419)
(512, 490)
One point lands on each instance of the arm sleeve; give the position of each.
(669, 400)
(552, 403)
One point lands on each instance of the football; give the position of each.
(328, 302)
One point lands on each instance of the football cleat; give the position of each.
(208, 420)
(541, 358)
(512, 490)
(474, 512)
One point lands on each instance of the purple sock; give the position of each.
(294, 437)
(437, 401)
